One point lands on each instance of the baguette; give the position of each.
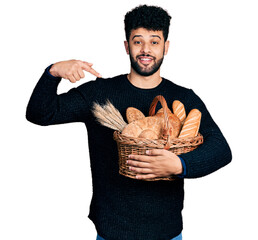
(191, 124)
(179, 110)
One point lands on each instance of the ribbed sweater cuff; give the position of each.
(184, 168)
(50, 75)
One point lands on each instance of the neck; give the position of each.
(144, 81)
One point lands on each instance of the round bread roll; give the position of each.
(133, 114)
(135, 128)
(149, 134)
(132, 129)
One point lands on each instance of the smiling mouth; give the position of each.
(145, 60)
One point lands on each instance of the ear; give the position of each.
(126, 47)
(166, 47)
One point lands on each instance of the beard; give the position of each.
(145, 71)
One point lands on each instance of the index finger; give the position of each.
(89, 69)
(142, 158)
(155, 152)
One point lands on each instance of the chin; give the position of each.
(146, 74)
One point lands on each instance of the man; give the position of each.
(123, 208)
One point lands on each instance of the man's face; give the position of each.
(146, 49)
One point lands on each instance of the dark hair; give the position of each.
(149, 17)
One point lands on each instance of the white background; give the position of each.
(45, 178)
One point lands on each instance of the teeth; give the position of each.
(146, 59)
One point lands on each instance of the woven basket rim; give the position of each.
(158, 143)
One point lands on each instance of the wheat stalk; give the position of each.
(108, 116)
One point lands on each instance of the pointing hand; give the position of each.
(72, 70)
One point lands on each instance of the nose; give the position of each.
(145, 48)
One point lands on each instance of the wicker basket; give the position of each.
(130, 145)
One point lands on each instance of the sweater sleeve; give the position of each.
(46, 107)
(214, 153)
(182, 175)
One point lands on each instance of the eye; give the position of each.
(154, 43)
(137, 42)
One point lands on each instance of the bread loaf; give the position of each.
(174, 122)
(149, 134)
(179, 110)
(133, 114)
(135, 128)
(160, 112)
(191, 124)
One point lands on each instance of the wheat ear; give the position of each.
(108, 116)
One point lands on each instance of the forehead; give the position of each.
(145, 33)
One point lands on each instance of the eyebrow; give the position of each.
(142, 36)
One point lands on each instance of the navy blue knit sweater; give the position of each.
(123, 208)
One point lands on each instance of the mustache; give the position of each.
(145, 55)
